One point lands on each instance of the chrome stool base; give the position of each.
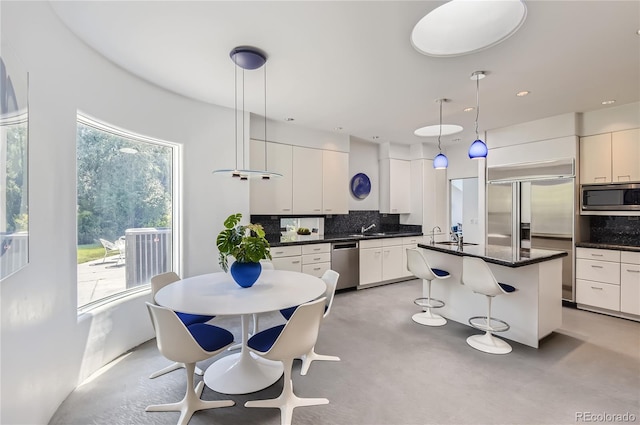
(427, 318)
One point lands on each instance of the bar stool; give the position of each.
(418, 265)
(477, 275)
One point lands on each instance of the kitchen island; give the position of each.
(533, 311)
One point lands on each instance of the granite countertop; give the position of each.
(599, 245)
(496, 254)
(295, 239)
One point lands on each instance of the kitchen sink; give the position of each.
(454, 243)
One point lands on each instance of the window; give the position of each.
(125, 210)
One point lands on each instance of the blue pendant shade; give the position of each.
(247, 57)
(477, 150)
(440, 162)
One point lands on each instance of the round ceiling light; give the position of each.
(460, 27)
(434, 130)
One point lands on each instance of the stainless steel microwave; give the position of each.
(611, 197)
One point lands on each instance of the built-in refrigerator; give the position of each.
(534, 207)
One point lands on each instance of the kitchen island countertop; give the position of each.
(497, 254)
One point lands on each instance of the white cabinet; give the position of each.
(595, 159)
(316, 259)
(335, 182)
(395, 186)
(314, 181)
(610, 157)
(598, 278)
(370, 261)
(625, 155)
(273, 196)
(384, 260)
(630, 282)
(287, 258)
(392, 259)
(307, 180)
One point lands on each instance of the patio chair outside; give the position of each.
(111, 247)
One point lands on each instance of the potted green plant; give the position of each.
(247, 244)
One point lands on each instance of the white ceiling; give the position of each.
(350, 64)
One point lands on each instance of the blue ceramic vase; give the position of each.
(245, 274)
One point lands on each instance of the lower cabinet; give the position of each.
(630, 282)
(370, 262)
(385, 260)
(313, 259)
(316, 259)
(287, 258)
(608, 279)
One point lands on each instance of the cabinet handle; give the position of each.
(316, 268)
(596, 267)
(633, 271)
(295, 262)
(316, 209)
(595, 287)
(279, 252)
(603, 179)
(317, 259)
(286, 209)
(628, 177)
(328, 209)
(596, 255)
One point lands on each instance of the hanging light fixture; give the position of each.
(248, 58)
(478, 149)
(440, 162)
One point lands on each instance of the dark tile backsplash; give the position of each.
(345, 223)
(615, 230)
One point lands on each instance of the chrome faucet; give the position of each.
(364, 229)
(433, 233)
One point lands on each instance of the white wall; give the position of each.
(46, 349)
(363, 158)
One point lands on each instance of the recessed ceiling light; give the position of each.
(434, 130)
(289, 119)
(523, 93)
(638, 32)
(338, 128)
(469, 109)
(375, 137)
(460, 27)
(608, 102)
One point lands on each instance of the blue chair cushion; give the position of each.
(288, 312)
(506, 288)
(262, 341)
(440, 273)
(209, 337)
(190, 319)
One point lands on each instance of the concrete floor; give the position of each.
(394, 371)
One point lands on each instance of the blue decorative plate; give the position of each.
(360, 185)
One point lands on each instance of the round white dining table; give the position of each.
(216, 294)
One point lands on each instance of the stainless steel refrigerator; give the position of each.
(531, 209)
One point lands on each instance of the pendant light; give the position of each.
(248, 58)
(440, 162)
(478, 149)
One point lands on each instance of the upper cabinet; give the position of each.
(335, 182)
(395, 188)
(314, 181)
(610, 157)
(625, 152)
(307, 180)
(273, 196)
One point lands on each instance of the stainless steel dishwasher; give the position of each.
(345, 259)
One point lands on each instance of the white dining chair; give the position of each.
(284, 343)
(330, 278)
(187, 345)
(158, 282)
